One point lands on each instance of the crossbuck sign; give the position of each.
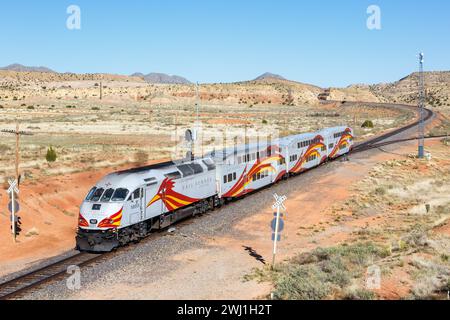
(12, 186)
(12, 190)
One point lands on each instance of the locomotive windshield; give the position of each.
(107, 195)
(97, 194)
(120, 194)
(89, 195)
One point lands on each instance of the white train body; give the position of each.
(125, 206)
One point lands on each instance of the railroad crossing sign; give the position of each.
(279, 202)
(13, 207)
(12, 186)
(277, 223)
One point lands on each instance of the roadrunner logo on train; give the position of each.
(126, 206)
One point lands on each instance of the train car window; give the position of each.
(97, 194)
(120, 194)
(254, 177)
(230, 177)
(324, 148)
(107, 195)
(224, 179)
(330, 146)
(186, 170)
(210, 164)
(239, 160)
(234, 176)
(196, 167)
(258, 176)
(90, 194)
(173, 175)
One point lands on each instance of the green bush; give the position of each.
(265, 121)
(30, 107)
(367, 124)
(51, 155)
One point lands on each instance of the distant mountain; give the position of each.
(161, 78)
(21, 68)
(269, 75)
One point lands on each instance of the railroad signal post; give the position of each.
(277, 223)
(13, 207)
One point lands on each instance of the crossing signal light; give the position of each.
(17, 225)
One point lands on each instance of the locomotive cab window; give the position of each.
(90, 194)
(120, 194)
(97, 194)
(107, 195)
(136, 194)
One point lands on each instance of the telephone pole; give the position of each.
(17, 133)
(14, 185)
(421, 108)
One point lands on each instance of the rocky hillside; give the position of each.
(162, 78)
(437, 85)
(21, 68)
(269, 76)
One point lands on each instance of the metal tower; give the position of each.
(421, 108)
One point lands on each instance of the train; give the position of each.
(126, 206)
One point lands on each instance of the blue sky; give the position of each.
(323, 42)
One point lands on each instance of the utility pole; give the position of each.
(14, 185)
(17, 133)
(421, 108)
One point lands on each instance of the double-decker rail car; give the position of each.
(244, 169)
(126, 206)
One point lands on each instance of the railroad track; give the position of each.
(22, 284)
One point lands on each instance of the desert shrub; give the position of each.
(359, 294)
(316, 275)
(95, 108)
(1, 107)
(264, 121)
(51, 155)
(30, 107)
(380, 191)
(367, 124)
